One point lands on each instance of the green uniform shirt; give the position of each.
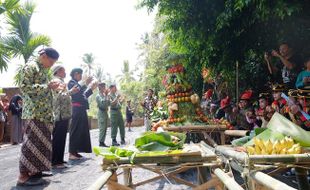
(114, 107)
(102, 102)
(37, 97)
(61, 102)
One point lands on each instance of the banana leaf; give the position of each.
(162, 141)
(279, 127)
(106, 153)
(267, 134)
(279, 123)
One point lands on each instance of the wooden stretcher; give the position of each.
(166, 167)
(203, 129)
(254, 167)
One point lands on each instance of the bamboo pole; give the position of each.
(236, 133)
(231, 153)
(101, 181)
(165, 159)
(268, 181)
(127, 176)
(209, 139)
(207, 128)
(288, 158)
(228, 181)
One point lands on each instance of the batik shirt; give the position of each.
(37, 97)
(61, 102)
(148, 105)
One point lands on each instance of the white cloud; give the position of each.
(108, 29)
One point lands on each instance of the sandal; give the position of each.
(72, 157)
(59, 166)
(78, 155)
(31, 182)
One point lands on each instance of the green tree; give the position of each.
(21, 41)
(217, 34)
(127, 74)
(89, 63)
(99, 74)
(6, 6)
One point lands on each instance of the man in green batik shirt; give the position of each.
(103, 103)
(36, 151)
(117, 120)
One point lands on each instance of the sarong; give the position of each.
(36, 151)
(79, 131)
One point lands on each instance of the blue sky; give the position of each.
(110, 29)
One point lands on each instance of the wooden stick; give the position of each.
(236, 133)
(112, 182)
(101, 181)
(161, 175)
(268, 181)
(118, 186)
(211, 183)
(209, 139)
(228, 181)
(222, 136)
(127, 177)
(301, 176)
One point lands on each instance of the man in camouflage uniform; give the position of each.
(62, 115)
(103, 102)
(117, 120)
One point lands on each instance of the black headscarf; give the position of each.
(14, 106)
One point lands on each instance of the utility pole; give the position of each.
(237, 81)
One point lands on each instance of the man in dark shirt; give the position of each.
(287, 67)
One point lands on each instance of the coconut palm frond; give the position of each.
(17, 77)
(4, 58)
(36, 41)
(89, 64)
(8, 5)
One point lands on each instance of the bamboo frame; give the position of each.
(101, 181)
(268, 181)
(236, 133)
(204, 129)
(228, 181)
(245, 163)
(178, 163)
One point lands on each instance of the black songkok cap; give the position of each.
(76, 70)
(50, 52)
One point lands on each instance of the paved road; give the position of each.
(80, 175)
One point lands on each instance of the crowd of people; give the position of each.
(289, 95)
(42, 115)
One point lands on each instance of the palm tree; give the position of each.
(99, 74)
(6, 6)
(126, 75)
(21, 41)
(89, 64)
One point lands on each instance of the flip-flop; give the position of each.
(61, 166)
(31, 182)
(41, 174)
(74, 158)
